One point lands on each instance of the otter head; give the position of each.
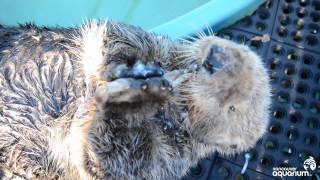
(124, 65)
(229, 94)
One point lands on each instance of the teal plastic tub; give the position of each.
(173, 17)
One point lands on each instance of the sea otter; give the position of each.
(111, 101)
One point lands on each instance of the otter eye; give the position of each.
(130, 61)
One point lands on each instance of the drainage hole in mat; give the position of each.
(313, 123)
(278, 49)
(279, 113)
(273, 77)
(311, 40)
(284, 20)
(289, 1)
(305, 73)
(275, 128)
(286, 83)
(298, 103)
(316, 94)
(307, 59)
(284, 164)
(301, 12)
(315, 16)
(268, 4)
(253, 155)
(316, 5)
(283, 97)
(275, 63)
(289, 69)
(309, 139)
(292, 134)
(302, 88)
(246, 22)
(303, 155)
(266, 161)
(255, 44)
(318, 78)
(303, 2)
(260, 26)
(296, 36)
(240, 176)
(295, 117)
(196, 170)
(287, 8)
(313, 28)
(282, 31)
(314, 108)
(287, 150)
(270, 144)
(263, 14)
(223, 172)
(299, 24)
(292, 55)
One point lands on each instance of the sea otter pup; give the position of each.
(111, 101)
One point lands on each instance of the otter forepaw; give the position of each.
(134, 81)
(130, 90)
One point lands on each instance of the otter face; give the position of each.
(129, 63)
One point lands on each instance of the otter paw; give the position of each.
(133, 82)
(130, 90)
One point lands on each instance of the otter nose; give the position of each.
(144, 71)
(148, 70)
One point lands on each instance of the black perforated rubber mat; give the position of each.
(292, 55)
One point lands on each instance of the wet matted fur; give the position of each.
(79, 103)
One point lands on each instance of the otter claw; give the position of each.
(144, 87)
